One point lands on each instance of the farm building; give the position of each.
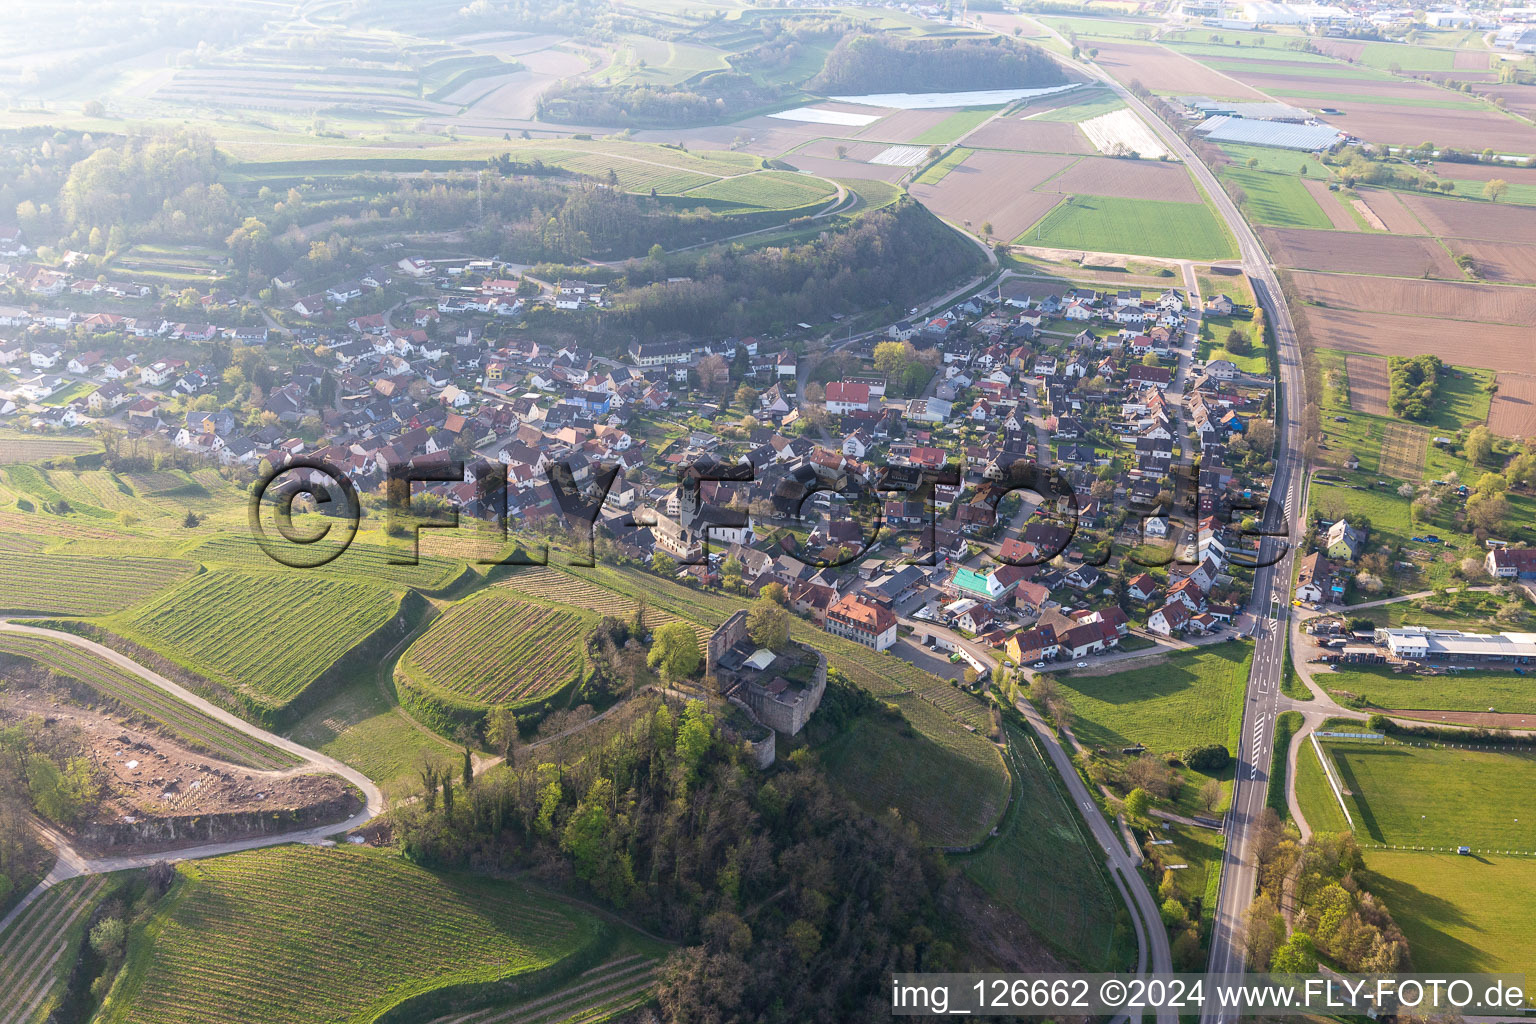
(1512, 563)
(1252, 111)
(1310, 138)
(1417, 643)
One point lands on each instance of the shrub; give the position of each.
(1212, 757)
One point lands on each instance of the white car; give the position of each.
(1038, 664)
(1082, 664)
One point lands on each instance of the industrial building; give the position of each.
(1418, 643)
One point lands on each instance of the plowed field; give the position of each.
(1483, 303)
(1457, 218)
(1162, 70)
(1339, 252)
(1035, 136)
(994, 187)
(1127, 179)
(1513, 413)
(1492, 346)
(1499, 261)
(1367, 384)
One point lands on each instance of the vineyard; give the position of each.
(573, 590)
(33, 952)
(300, 933)
(599, 994)
(70, 585)
(22, 448)
(140, 698)
(267, 634)
(493, 650)
(360, 563)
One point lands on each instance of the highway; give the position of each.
(1270, 602)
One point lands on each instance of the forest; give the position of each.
(882, 258)
(885, 63)
(721, 96)
(789, 904)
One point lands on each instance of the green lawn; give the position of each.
(1326, 98)
(939, 171)
(1213, 343)
(1141, 227)
(1407, 57)
(1286, 724)
(1276, 199)
(1183, 700)
(1459, 691)
(1315, 796)
(1519, 193)
(1459, 913)
(1044, 868)
(1101, 28)
(1200, 850)
(1438, 796)
(1283, 161)
(1469, 610)
(954, 126)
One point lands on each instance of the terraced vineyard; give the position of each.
(543, 581)
(147, 701)
(494, 649)
(32, 952)
(360, 563)
(70, 585)
(300, 933)
(767, 190)
(603, 992)
(266, 634)
(28, 448)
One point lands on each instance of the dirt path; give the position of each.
(70, 864)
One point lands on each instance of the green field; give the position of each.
(954, 126)
(1460, 691)
(265, 635)
(1045, 868)
(937, 173)
(1286, 724)
(41, 946)
(1459, 913)
(32, 447)
(1520, 193)
(1140, 227)
(1100, 28)
(494, 650)
(1315, 796)
(1276, 199)
(1180, 701)
(1282, 161)
(1407, 57)
(1440, 797)
(1213, 343)
(297, 932)
(1084, 111)
(75, 585)
(362, 562)
(138, 698)
(768, 190)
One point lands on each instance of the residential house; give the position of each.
(857, 618)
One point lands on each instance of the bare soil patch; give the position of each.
(1129, 179)
(1486, 172)
(1505, 262)
(1461, 218)
(1371, 219)
(1463, 128)
(1388, 207)
(1449, 300)
(1470, 60)
(902, 126)
(1367, 384)
(993, 186)
(1033, 136)
(1491, 346)
(1163, 70)
(1513, 412)
(1402, 451)
(831, 167)
(1519, 98)
(1340, 48)
(1329, 201)
(1275, 77)
(1355, 252)
(155, 788)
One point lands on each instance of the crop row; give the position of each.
(148, 701)
(18, 448)
(72, 585)
(542, 581)
(497, 650)
(299, 933)
(269, 632)
(362, 563)
(34, 950)
(95, 487)
(598, 994)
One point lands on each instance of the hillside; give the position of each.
(883, 63)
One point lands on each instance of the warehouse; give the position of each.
(1417, 643)
(1311, 138)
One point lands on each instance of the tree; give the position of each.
(1137, 803)
(1238, 342)
(711, 370)
(1211, 757)
(1495, 189)
(107, 937)
(841, 151)
(675, 651)
(1478, 447)
(1264, 931)
(892, 357)
(768, 624)
(663, 564)
(776, 592)
(1210, 795)
(501, 731)
(986, 228)
(1297, 956)
(469, 768)
(1173, 912)
(1150, 359)
(746, 397)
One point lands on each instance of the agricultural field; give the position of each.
(1134, 227)
(139, 699)
(35, 448)
(363, 931)
(1483, 303)
(1165, 70)
(599, 994)
(1437, 796)
(1126, 179)
(1459, 913)
(1123, 131)
(1031, 134)
(174, 266)
(1403, 448)
(38, 950)
(1083, 110)
(1368, 387)
(69, 584)
(1512, 412)
(1277, 200)
(1461, 691)
(993, 187)
(1043, 866)
(935, 174)
(769, 190)
(1338, 252)
(376, 564)
(267, 636)
(493, 650)
(954, 126)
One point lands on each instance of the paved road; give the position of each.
(70, 863)
(1271, 590)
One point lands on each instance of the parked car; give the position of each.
(1465, 851)
(1082, 664)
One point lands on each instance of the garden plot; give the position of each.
(1367, 384)
(1513, 413)
(1121, 131)
(1402, 450)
